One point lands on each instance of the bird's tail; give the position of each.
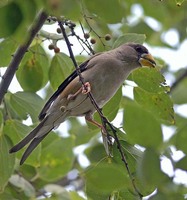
(35, 137)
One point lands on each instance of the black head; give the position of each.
(144, 57)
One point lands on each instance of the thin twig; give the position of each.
(104, 120)
(86, 40)
(91, 29)
(124, 158)
(20, 52)
(76, 65)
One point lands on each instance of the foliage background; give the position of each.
(54, 170)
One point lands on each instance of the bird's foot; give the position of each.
(86, 88)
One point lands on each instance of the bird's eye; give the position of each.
(141, 50)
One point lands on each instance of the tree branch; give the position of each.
(13, 66)
(104, 120)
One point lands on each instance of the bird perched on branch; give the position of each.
(103, 74)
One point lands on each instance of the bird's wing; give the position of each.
(63, 85)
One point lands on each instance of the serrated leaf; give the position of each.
(150, 79)
(159, 104)
(129, 37)
(25, 103)
(141, 126)
(7, 161)
(61, 67)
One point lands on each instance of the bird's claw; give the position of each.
(86, 88)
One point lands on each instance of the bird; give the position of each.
(103, 74)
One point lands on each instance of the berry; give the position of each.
(107, 37)
(93, 40)
(51, 46)
(86, 35)
(58, 30)
(56, 50)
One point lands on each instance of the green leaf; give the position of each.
(75, 196)
(129, 37)
(132, 156)
(95, 152)
(123, 195)
(17, 131)
(159, 104)
(105, 9)
(30, 75)
(179, 94)
(61, 67)
(180, 138)
(148, 169)
(6, 52)
(150, 79)
(141, 127)
(69, 8)
(17, 10)
(106, 178)
(7, 14)
(1, 121)
(41, 57)
(139, 26)
(92, 193)
(7, 161)
(182, 163)
(25, 103)
(57, 160)
(110, 110)
(81, 133)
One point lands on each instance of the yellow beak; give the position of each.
(147, 60)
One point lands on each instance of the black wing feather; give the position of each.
(62, 86)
